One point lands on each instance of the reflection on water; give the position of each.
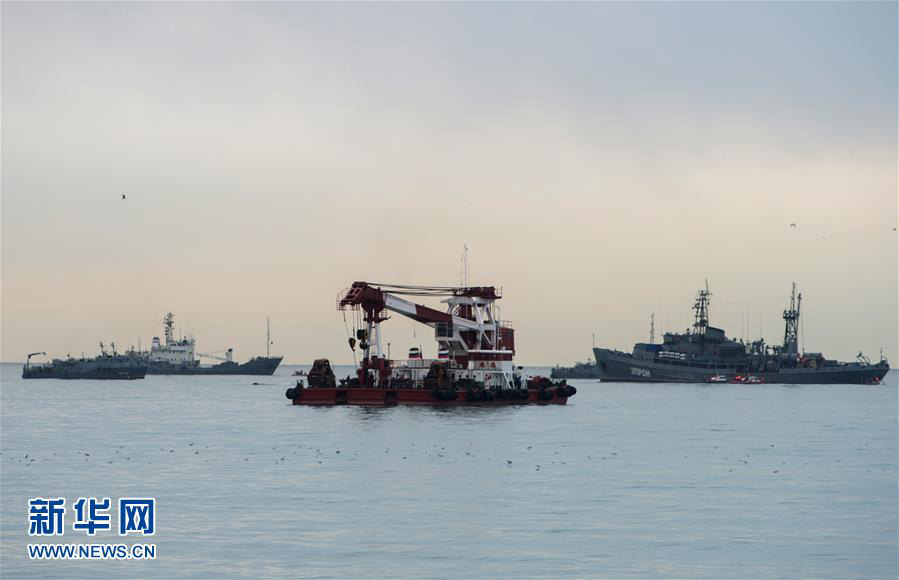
(626, 480)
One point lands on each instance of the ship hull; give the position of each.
(261, 366)
(615, 366)
(95, 374)
(590, 372)
(373, 396)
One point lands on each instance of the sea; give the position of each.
(625, 481)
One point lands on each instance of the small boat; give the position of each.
(299, 373)
(718, 379)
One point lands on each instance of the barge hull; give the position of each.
(374, 396)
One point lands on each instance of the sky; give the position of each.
(601, 161)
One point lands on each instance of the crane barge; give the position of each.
(476, 354)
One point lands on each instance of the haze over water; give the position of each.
(600, 159)
(627, 480)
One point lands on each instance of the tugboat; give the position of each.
(706, 352)
(107, 366)
(474, 367)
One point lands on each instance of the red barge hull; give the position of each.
(374, 396)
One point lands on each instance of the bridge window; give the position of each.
(444, 329)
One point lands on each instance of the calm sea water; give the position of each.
(626, 481)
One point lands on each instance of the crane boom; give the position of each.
(374, 298)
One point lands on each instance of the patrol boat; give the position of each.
(106, 366)
(705, 352)
(475, 364)
(178, 356)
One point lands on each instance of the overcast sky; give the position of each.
(600, 160)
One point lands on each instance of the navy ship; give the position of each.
(107, 366)
(705, 354)
(580, 370)
(178, 357)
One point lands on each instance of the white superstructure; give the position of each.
(173, 351)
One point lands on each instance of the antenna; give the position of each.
(463, 273)
(801, 323)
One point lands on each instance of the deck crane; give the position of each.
(31, 354)
(468, 329)
(229, 355)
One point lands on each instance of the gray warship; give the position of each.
(178, 357)
(705, 354)
(107, 366)
(580, 370)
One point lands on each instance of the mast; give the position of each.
(268, 337)
(652, 328)
(791, 323)
(169, 323)
(701, 306)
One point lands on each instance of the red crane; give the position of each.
(468, 329)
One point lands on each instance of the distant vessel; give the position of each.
(704, 353)
(581, 370)
(177, 357)
(107, 366)
(474, 364)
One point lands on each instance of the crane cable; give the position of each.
(347, 328)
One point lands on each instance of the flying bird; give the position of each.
(793, 225)
(123, 196)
